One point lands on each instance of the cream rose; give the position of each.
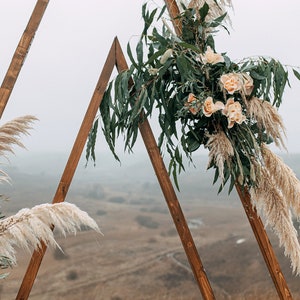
(209, 107)
(233, 112)
(210, 57)
(231, 82)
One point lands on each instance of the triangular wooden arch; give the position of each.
(116, 58)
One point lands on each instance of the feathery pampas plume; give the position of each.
(269, 201)
(284, 178)
(29, 227)
(10, 134)
(220, 151)
(216, 8)
(267, 117)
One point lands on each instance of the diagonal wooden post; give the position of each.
(255, 222)
(116, 58)
(264, 245)
(20, 53)
(70, 167)
(170, 197)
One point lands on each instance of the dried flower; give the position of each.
(267, 118)
(10, 135)
(220, 151)
(210, 57)
(231, 82)
(284, 178)
(168, 53)
(269, 201)
(153, 71)
(210, 107)
(216, 9)
(29, 227)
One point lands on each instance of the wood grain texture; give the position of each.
(170, 197)
(71, 166)
(174, 12)
(21, 52)
(264, 244)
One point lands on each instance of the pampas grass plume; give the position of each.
(220, 151)
(284, 178)
(271, 204)
(29, 227)
(267, 117)
(10, 134)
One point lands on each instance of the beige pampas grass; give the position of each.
(10, 133)
(10, 136)
(220, 151)
(270, 202)
(216, 8)
(29, 227)
(267, 117)
(284, 178)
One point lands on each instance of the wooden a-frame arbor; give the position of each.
(116, 59)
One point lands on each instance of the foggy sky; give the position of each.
(68, 52)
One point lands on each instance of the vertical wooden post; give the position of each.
(20, 53)
(255, 222)
(70, 168)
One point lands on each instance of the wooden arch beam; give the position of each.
(20, 54)
(70, 167)
(116, 58)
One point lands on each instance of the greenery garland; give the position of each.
(204, 98)
(198, 93)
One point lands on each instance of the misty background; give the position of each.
(56, 84)
(72, 42)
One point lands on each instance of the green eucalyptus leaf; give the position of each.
(189, 46)
(218, 21)
(297, 74)
(90, 147)
(129, 52)
(255, 75)
(204, 11)
(139, 52)
(192, 142)
(232, 184)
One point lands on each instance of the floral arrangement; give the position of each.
(202, 97)
(29, 228)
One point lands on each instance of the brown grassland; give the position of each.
(140, 255)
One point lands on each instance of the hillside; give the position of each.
(140, 255)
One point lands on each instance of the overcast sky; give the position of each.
(67, 55)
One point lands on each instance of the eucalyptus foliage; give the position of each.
(165, 71)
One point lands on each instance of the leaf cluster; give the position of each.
(165, 69)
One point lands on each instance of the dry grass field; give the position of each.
(140, 255)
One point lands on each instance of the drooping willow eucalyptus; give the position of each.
(167, 71)
(203, 98)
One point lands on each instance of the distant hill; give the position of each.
(33, 174)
